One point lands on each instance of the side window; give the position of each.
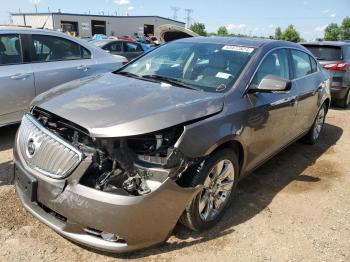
(301, 63)
(276, 63)
(52, 48)
(116, 47)
(132, 47)
(10, 50)
(314, 67)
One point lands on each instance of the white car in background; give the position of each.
(33, 60)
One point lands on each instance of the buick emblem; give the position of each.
(31, 147)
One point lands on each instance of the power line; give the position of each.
(188, 17)
(175, 10)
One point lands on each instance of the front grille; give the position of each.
(46, 152)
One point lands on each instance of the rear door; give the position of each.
(57, 60)
(309, 83)
(16, 79)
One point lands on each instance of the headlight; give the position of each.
(136, 165)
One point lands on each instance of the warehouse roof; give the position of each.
(109, 16)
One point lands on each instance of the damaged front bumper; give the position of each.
(83, 214)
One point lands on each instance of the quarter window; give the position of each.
(276, 63)
(10, 50)
(301, 63)
(52, 48)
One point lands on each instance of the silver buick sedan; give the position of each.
(33, 61)
(115, 161)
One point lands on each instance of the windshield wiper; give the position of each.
(128, 74)
(171, 80)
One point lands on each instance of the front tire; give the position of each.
(314, 134)
(219, 175)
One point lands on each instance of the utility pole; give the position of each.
(188, 17)
(175, 10)
(35, 3)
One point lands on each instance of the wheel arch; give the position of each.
(327, 102)
(232, 144)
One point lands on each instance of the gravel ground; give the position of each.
(294, 208)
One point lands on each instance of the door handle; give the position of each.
(83, 68)
(20, 76)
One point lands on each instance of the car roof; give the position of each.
(27, 30)
(328, 43)
(241, 41)
(23, 28)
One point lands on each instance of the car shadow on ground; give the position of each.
(7, 137)
(256, 192)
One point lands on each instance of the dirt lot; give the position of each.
(294, 208)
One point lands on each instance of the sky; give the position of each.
(251, 17)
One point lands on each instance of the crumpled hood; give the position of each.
(115, 106)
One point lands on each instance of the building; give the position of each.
(86, 25)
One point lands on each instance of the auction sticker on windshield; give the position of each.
(238, 48)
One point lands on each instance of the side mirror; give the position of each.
(271, 83)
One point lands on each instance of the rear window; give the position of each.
(328, 53)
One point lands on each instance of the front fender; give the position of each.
(202, 138)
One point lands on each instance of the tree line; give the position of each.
(335, 32)
(332, 32)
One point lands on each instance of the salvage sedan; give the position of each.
(115, 161)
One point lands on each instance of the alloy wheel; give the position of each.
(319, 123)
(217, 190)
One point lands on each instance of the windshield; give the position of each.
(328, 53)
(208, 67)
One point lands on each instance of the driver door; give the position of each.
(272, 115)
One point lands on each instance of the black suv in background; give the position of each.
(335, 57)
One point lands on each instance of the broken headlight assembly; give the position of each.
(134, 165)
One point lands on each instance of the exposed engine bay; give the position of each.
(133, 165)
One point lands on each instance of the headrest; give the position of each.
(218, 61)
(270, 62)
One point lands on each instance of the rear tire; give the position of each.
(345, 102)
(219, 175)
(314, 134)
